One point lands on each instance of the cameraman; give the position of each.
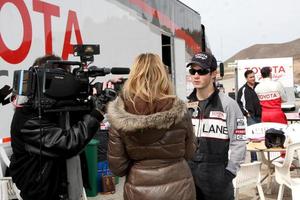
(45, 164)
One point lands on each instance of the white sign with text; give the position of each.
(282, 69)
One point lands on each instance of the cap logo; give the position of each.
(201, 56)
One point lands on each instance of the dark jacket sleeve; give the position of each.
(239, 101)
(119, 162)
(47, 138)
(190, 142)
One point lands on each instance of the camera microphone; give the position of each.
(95, 71)
(119, 70)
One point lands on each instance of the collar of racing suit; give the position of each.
(193, 96)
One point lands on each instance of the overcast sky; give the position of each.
(232, 25)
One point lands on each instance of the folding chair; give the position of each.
(283, 173)
(8, 190)
(248, 175)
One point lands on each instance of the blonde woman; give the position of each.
(151, 135)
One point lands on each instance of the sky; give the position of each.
(232, 25)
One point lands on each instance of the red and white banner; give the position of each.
(282, 69)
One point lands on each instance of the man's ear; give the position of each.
(214, 74)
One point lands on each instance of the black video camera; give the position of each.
(52, 88)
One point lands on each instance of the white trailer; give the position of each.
(123, 28)
(282, 70)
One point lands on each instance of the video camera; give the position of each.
(52, 88)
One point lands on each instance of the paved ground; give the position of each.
(244, 193)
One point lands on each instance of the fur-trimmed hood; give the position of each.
(120, 119)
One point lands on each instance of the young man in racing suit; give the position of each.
(271, 94)
(219, 126)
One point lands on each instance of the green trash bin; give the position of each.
(91, 156)
(117, 180)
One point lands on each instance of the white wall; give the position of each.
(122, 35)
(180, 69)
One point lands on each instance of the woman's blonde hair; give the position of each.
(148, 80)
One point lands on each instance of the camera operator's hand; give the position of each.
(4, 92)
(97, 108)
(98, 105)
(117, 80)
(117, 83)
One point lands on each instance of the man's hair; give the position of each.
(265, 72)
(247, 72)
(40, 61)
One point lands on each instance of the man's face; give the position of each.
(250, 79)
(201, 80)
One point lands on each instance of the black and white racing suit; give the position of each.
(219, 126)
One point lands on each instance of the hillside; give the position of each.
(288, 49)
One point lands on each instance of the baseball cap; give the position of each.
(205, 60)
